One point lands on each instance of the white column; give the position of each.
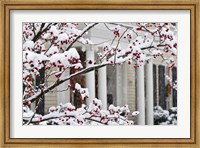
(149, 93)
(119, 86)
(102, 87)
(90, 76)
(140, 95)
(63, 95)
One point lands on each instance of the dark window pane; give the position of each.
(75, 98)
(40, 80)
(174, 92)
(162, 88)
(154, 85)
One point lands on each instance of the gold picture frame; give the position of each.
(7, 5)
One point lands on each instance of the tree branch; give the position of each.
(58, 82)
(84, 31)
(125, 26)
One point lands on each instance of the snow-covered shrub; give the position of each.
(165, 117)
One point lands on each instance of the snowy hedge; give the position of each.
(165, 117)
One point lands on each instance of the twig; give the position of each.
(118, 44)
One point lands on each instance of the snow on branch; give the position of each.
(88, 27)
(67, 114)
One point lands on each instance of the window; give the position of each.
(155, 84)
(162, 87)
(174, 92)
